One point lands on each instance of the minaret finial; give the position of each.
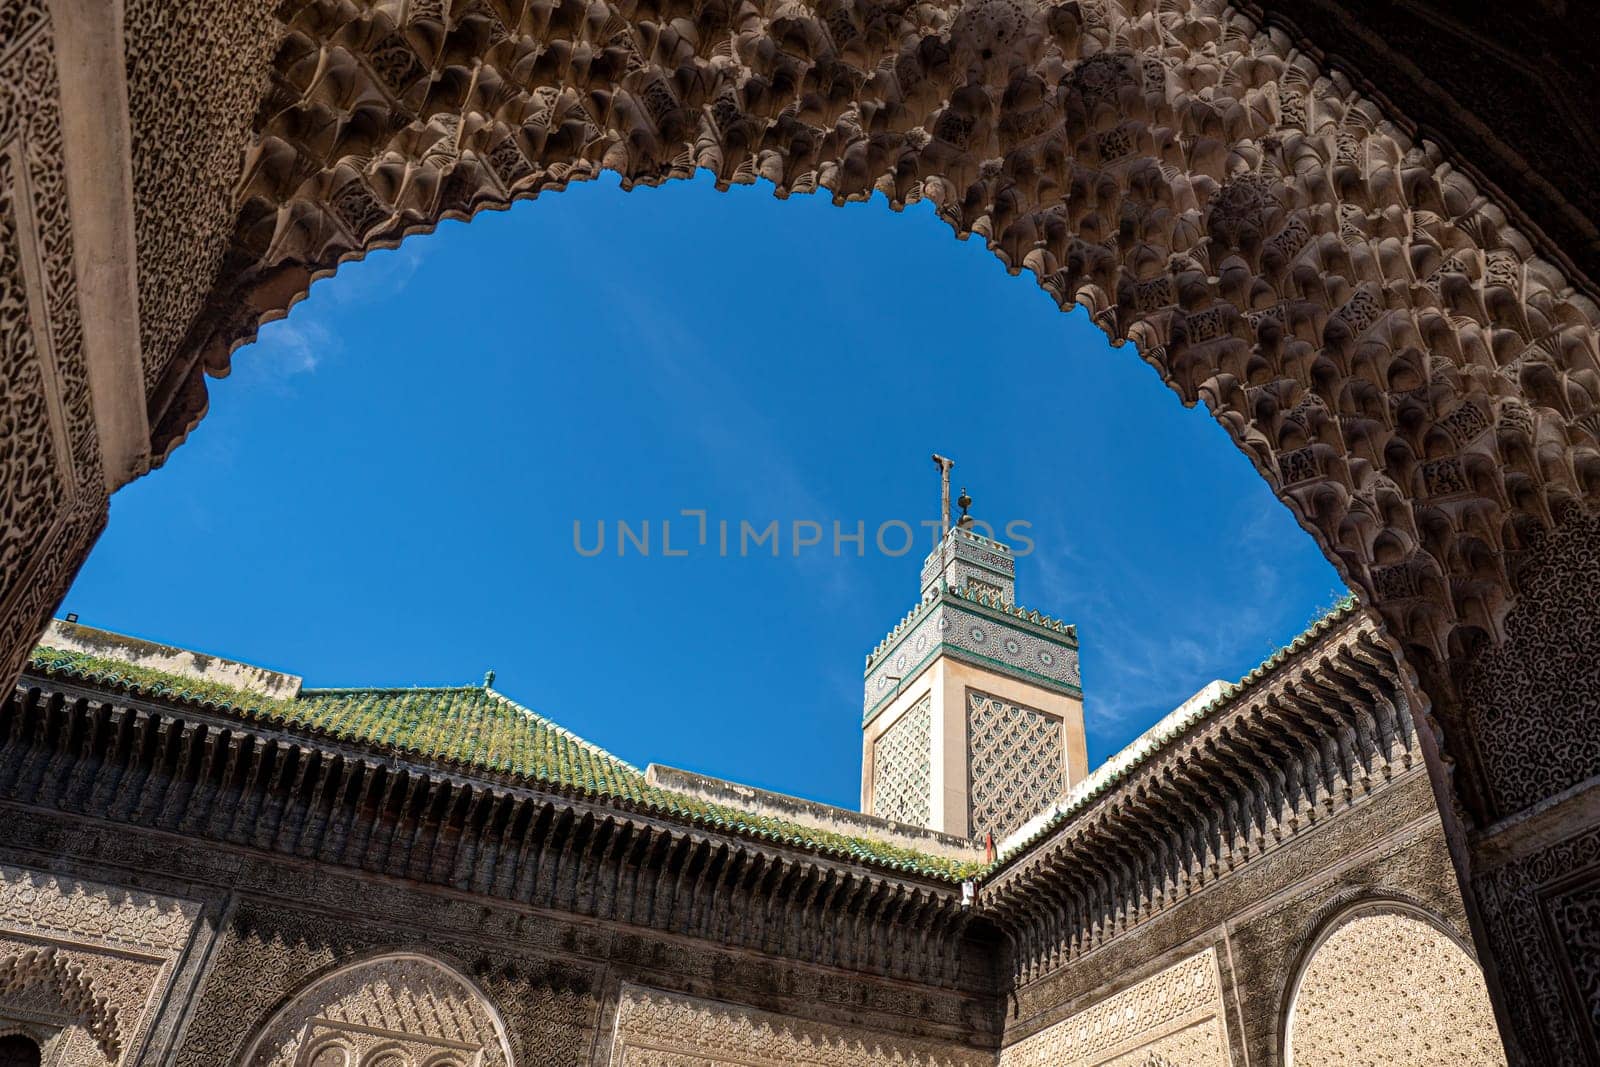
(944, 463)
(964, 502)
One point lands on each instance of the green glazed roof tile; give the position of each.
(476, 727)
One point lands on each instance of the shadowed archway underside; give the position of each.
(1391, 352)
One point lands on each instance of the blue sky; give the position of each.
(386, 488)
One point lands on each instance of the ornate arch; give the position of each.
(1408, 375)
(398, 1010)
(45, 973)
(1413, 381)
(1385, 980)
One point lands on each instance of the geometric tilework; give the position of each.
(965, 559)
(1016, 760)
(902, 767)
(983, 637)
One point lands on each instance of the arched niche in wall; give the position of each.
(63, 996)
(399, 1010)
(20, 1050)
(1385, 982)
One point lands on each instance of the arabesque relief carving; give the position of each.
(86, 961)
(1173, 1018)
(1388, 987)
(660, 1029)
(400, 1011)
(52, 490)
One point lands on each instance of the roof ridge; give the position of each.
(329, 690)
(551, 724)
(613, 777)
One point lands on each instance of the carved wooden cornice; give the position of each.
(209, 777)
(1323, 731)
(1318, 730)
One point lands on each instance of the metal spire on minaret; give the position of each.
(944, 463)
(972, 708)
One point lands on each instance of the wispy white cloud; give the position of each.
(298, 344)
(735, 435)
(1145, 668)
(286, 349)
(381, 275)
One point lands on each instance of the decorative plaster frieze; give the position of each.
(87, 961)
(1172, 1019)
(659, 1029)
(402, 1010)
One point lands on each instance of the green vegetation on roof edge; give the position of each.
(395, 718)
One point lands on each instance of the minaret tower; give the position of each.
(973, 715)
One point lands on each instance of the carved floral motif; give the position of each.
(1387, 988)
(1172, 1018)
(52, 491)
(400, 1011)
(658, 1029)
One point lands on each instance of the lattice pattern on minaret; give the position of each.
(902, 767)
(1016, 763)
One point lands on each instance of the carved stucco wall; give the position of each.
(1016, 763)
(902, 767)
(188, 65)
(1388, 987)
(1171, 1019)
(1516, 693)
(86, 963)
(53, 503)
(1547, 907)
(659, 1029)
(269, 954)
(398, 1011)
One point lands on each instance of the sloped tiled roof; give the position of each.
(474, 728)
